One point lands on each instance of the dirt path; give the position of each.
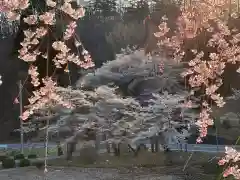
(75, 174)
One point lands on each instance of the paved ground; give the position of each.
(75, 174)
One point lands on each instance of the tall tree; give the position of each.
(137, 11)
(121, 119)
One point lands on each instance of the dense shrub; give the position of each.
(19, 156)
(38, 164)
(32, 156)
(13, 153)
(59, 151)
(2, 158)
(226, 124)
(24, 163)
(8, 163)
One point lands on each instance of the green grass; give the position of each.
(144, 159)
(162, 163)
(40, 152)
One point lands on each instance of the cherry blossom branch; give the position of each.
(30, 50)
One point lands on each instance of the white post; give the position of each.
(217, 140)
(21, 111)
(98, 140)
(46, 147)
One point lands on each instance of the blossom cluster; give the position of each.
(172, 44)
(13, 8)
(1, 80)
(231, 158)
(45, 97)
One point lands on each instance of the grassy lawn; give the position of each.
(169, 163)
(144, 159)
(40, 151)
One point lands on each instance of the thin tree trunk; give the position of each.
(156, 144)
(152, 145)
(59, 149)
(116, 149)
(133, 150)
(108, 147)
(97, 141)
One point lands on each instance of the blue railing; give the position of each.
(175, 147)
(30, 145)
(3, 146)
